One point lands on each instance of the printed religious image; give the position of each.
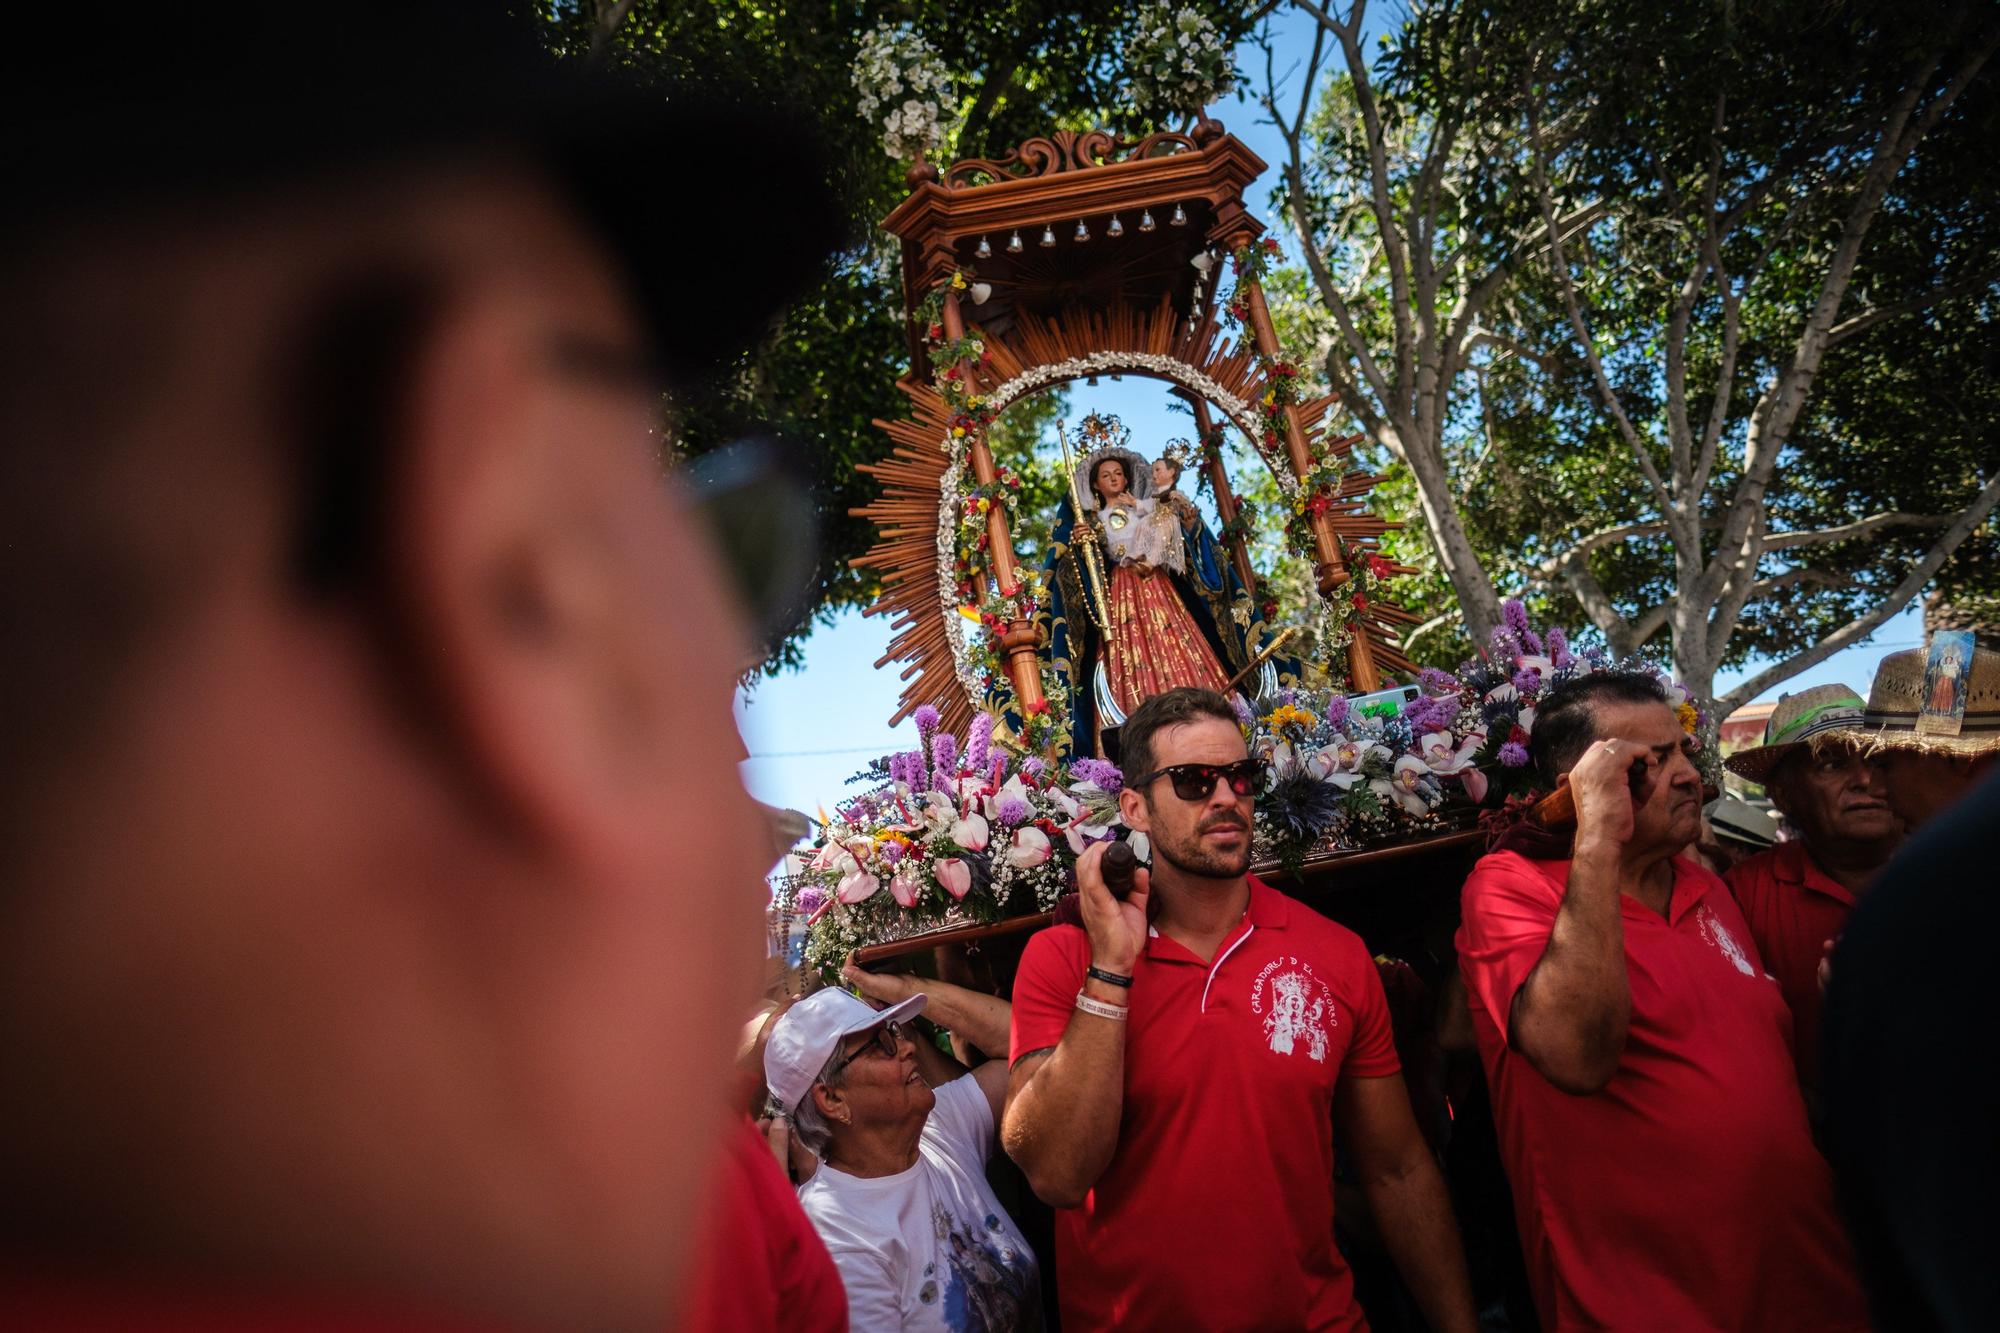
(1945, 675)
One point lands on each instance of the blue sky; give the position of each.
(809, 730)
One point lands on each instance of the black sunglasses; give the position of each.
(1194, 782)
(757, 499)
(884, 1039)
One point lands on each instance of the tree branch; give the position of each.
(1945, 291)
(1863, 625)
(1859, 528)
(610, 17)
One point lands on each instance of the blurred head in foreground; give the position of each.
(380, 898)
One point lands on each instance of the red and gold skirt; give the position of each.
(1154, 643)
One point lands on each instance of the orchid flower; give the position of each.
(955, 875)
(1401, 786)
(1443, 757)
(1012, 787)
(1029, 848)
(938, 813)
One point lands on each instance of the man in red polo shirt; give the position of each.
(1796, 898)
(1176, 1085)
(1640, 1060)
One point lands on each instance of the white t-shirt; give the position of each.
(930, 1248)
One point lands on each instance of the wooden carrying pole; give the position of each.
(1331, 570)
(1020, 641)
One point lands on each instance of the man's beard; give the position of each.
(1194, 857)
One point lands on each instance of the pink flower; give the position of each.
(1029, 848)
(955, 875)
(857, 886)
(1474, 783)
(906, 883)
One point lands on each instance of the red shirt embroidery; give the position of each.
(1793, 908)
(1217, 1208)
(1687, 1193)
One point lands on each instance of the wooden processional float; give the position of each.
(1071, 257)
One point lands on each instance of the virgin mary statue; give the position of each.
(1126, 621)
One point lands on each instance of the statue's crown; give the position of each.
(1102, 431)
(1180, 453)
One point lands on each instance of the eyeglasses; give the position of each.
(757, 498)
(1194, 782)
(884, 1039)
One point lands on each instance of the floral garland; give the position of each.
(1179, 60)
(893, 61)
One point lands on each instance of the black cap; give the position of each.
(718, 204)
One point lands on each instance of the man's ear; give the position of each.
(515, 610)
(1132, 808)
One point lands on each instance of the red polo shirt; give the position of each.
(1216, 1210)
(1793, 908)
(1687, 1193)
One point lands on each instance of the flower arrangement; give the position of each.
(903, 83)
(1498, 692)
(950, 834)
(1177, 59)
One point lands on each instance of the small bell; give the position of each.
(1146, 222)
(980, 292)
(1048, 238)
(1082, 232)
(1179, 219)
(1014, 244)
(1115, 227)
(984, 250)
(1203, 262)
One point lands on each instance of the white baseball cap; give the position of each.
(806, 1035)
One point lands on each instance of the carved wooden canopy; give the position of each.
(1138, 295)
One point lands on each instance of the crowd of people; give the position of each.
(363, 682)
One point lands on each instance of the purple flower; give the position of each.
(1337, 712)
(944, 752)
(1032, 767)
(1289, 698)
(899, 768)
(926, 718)
(1514, 754)
(1244, 717)
(811, 898)
(1011, 809)
(978, 741)
(1428, 714)
(1559, 650)
(892, 852)
(1515, 615)
(1101, 772)
(1437, 682)
(1528, 681)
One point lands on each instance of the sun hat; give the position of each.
(806, 1035)
(1897, 696)
(1796, 720)
(1740, 821)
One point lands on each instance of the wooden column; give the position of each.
(1020, 641)
(1226, 506)
(1331, 570)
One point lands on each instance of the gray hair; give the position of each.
(809, 1127)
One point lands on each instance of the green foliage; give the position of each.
(1024, 67)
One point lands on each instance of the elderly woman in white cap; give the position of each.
(903, 1134)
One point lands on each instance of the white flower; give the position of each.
(1441, 755)
(971, 833)
(1029, 848)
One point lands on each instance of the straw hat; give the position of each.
(1796, 720)
(1897, 696)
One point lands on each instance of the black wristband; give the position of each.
(1109, 978)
